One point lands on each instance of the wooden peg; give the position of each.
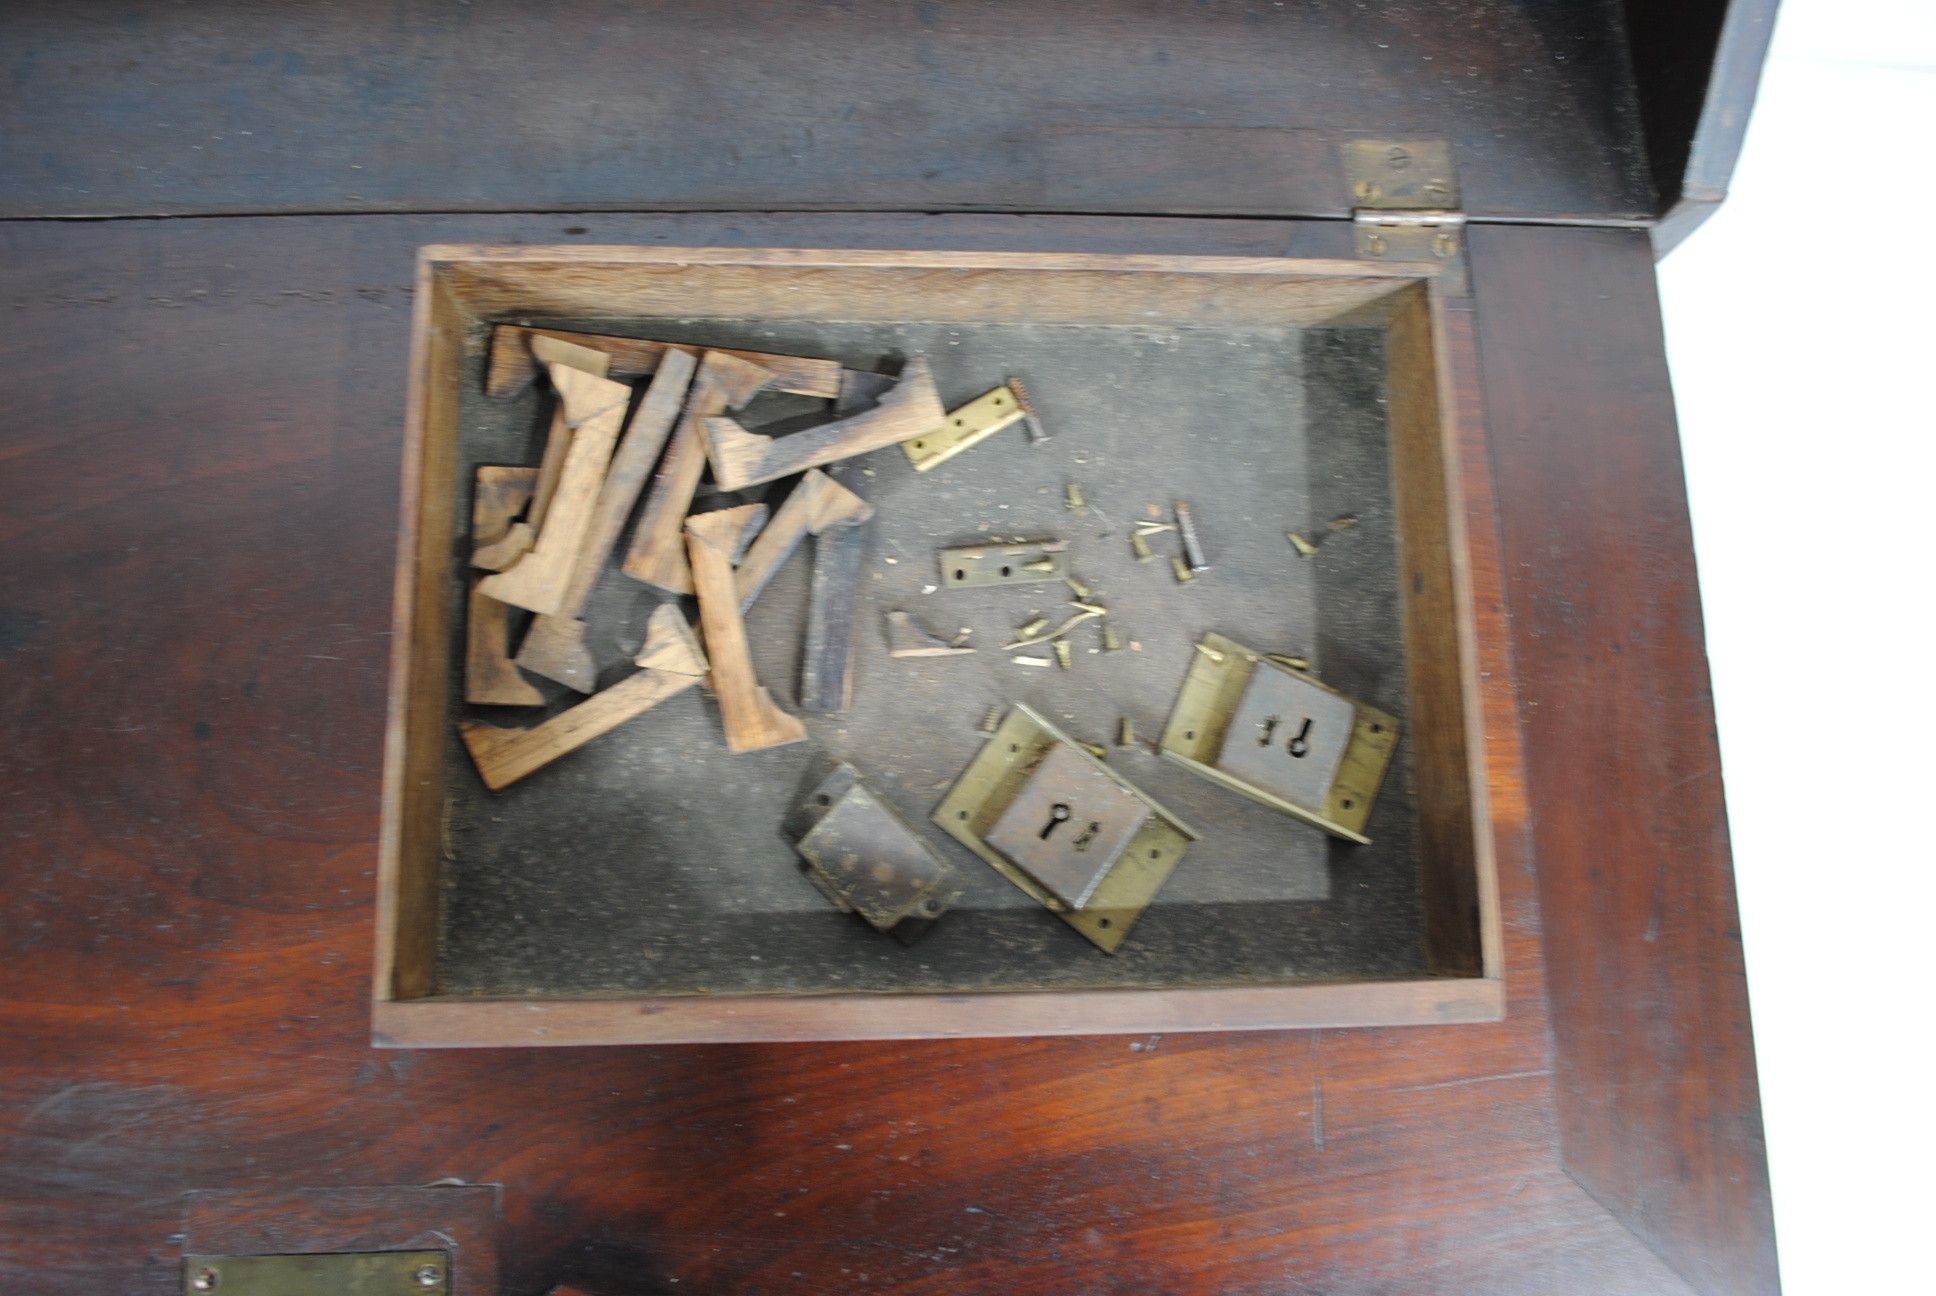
(512, 364)
(558, 440)
(827, 661)
(516, 544)
(906, 639)
(501, 493)
(658, 552)
(503, 756)
(741, 458)
(554, 647)
(753, 721)
(817, 503)
(489, 676)
(596, 408)
(550, 349)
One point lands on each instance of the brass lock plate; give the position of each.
(997, 776)
(1214, 726)
(1288, 736)
(362, 1273)
(968, 426)
(1068, 825)
(1029, 563)
(865, 859)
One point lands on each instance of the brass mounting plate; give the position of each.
(1068, 825)
(1213, 728)
(968, 426)
(997, 776)
(1026, 563)
(1431, 238)
(360, 1273)
(865, 859)
(1401, 174)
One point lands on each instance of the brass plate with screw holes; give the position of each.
(1401, 175)
(865, 859)
(358, 1273)
(1027, 563)
(1202, 729)
(998, 774)
(970, 425)
(1068, 825)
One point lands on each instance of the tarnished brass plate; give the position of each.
(1213, 728)
(865, 859)
(1288, 736)
(1030, 563)
(1401, 175)
(997, 776)
(1068, 825)
(362, 1273)
(968, 426)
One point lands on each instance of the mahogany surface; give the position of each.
(201, 449)
(126, 107)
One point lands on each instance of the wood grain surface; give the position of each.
(1657, 1096)
(191, 807)
(121, 107)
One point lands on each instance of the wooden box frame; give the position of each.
(461, 288)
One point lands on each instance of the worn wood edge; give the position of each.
(710, 1019)
(406, 901)
(1470, 509)
(861, 258)
(1441, 676)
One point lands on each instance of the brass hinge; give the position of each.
(1405, 196)
(368, 1273)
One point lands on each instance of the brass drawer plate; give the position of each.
(865, 859)
(1069, 824)
(999, 775)
(1028, 563)
(357, 1273)
(1230, 699)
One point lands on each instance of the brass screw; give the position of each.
(430, 1276)
(1376, 245)
(206, 1279)
(993, 720)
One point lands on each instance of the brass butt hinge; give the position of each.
(1405, 205)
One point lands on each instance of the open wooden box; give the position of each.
(657, 292)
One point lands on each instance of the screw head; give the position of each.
(205, 1279)
(430, 1276)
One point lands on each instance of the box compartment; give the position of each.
(640, 890)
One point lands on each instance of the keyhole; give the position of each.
(1060, 814)
(1269, 726)
(1088, 835)
(1298, 746)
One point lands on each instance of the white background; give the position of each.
(1804, 359)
